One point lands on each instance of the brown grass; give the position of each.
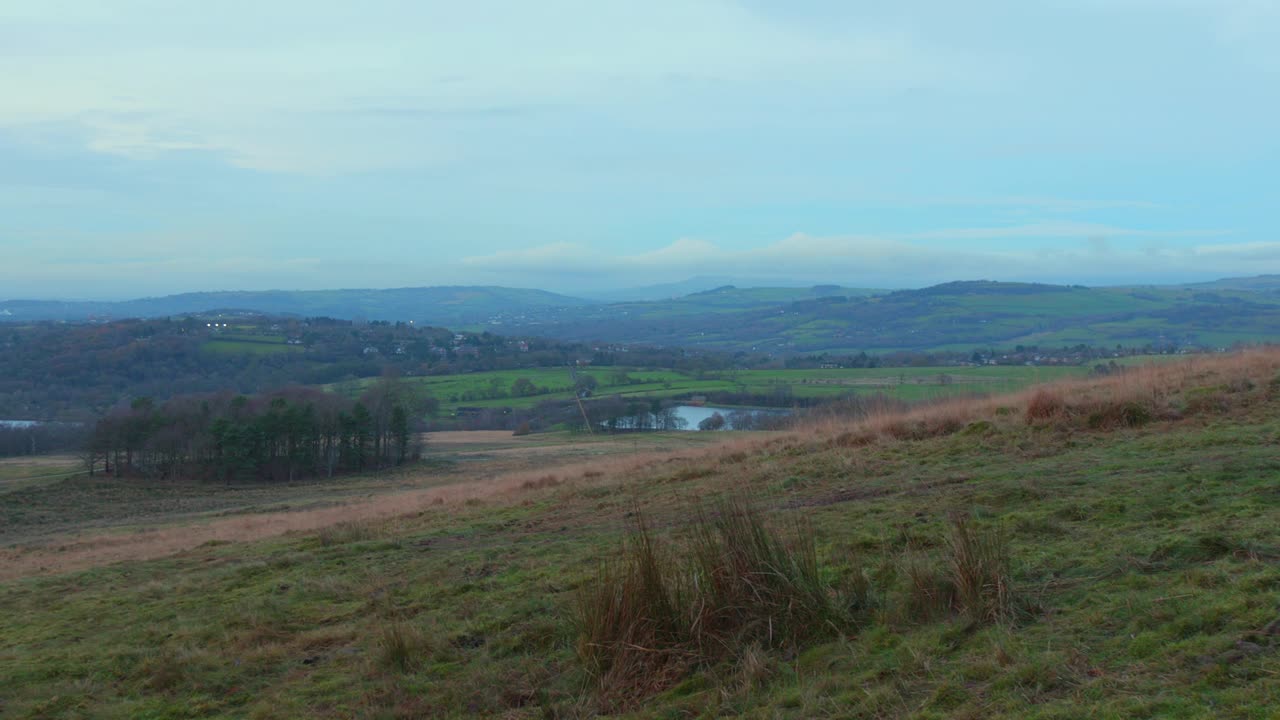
(736, 584)
(978, 560)
(1133, 398)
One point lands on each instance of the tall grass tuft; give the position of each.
(737, 583)
(1045, 404)
(978, 561)
(401, 646)
(930, 590)
(629, 625)
(752, 585)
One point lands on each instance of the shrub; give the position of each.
(522, 429)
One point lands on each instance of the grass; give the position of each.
(248, 347)
(22, 472)
(991, 565)
(911, 384)
(735, 586)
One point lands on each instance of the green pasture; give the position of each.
(493, 389)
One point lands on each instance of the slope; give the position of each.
(452, 306)
(959, 315)
(1140, 566)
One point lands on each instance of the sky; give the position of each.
(152, 147)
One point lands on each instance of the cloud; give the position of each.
(1264, 251)
(258, 81)
(1057, 230)
(1093, 254)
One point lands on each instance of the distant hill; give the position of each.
(702, 284)
(949, 316)
(1259, 283)
(450, 306)
(784, 320)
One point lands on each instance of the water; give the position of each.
(18, 424)
(690, 416)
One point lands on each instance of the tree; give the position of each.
(400, 432)
(584, 385)
(523, 387)
(715, 422)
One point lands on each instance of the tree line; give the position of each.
(283, 435)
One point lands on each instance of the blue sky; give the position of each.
(149, 148)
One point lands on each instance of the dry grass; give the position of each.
(737, 584)
(978, 560)
(402, 646)
(1133, 398)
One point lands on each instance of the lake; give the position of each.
(693, 415)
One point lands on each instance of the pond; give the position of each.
(689, 417)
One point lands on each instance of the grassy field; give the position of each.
(25, 472)
(1134, 532)
(45, 499)
(249, 344)
(911, 384)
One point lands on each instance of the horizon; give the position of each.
(580, 147)
(602, 297)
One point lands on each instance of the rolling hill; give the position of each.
(955, 315)
(443, 306)
(781, 320)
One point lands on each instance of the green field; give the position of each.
(248, 344)
(910, 384)
(27, 472)
(1138, 565)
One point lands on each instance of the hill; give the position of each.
(1259, 283)
(953, 316)
(451, 306)
(1100, 548)
(701, 284)
(782, 320)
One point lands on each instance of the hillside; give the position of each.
(1259, 283)
(953, 316)
(446, 306)
(1094, 548)
(824, 318)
